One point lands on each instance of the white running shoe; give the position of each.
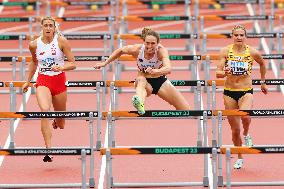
(239, 164)
(248, 141)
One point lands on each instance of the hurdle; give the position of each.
(191, 151)
(104, 35)
(219, 115)
(94, 84)
(52, 151)
(269, 149)
(157, 114)
(269, 18)
(261, 4)
(87, 115)
(125, 3)
(168, 35)
(24, 59)
(195, 84)
(273, 35)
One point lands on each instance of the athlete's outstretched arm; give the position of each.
(129, 49)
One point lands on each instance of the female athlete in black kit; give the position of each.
(153, 65)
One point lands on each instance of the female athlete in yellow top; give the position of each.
(235, 65)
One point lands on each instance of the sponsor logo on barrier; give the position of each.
(87, 36)
(244, 17)
(49, 151)
(86, 19)
(178, 113)
(268, 112)
(178, 82)
(260, 35)
(60, 114)
(1, 84)
(88, 3)
(88, 58)
(84, 83)
(156, 18)
(160, 2)
(176, 151)
(274, 149)
(236, 1)
(170, 36)
(273, 56)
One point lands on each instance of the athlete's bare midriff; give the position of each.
(238, 81)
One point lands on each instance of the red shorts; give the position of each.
(56, 84)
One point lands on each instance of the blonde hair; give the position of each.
(236, 27)
(56, 25)
(149, 31)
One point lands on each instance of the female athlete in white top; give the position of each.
(48, 52)
(154, 64)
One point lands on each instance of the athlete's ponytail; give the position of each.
(148, 31)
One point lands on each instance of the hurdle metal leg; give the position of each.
(228, 168)
(92, 167)
(99, 119)
(12, 109)
(206, 156)
(83, 169)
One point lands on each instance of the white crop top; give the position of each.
(49, 55)
(143, 63)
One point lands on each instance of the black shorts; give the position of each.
(156, 83)
(236, 95)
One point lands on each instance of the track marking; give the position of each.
(61, 12)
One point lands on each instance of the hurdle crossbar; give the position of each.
(204, 17)
(254, 82)
(127, 83)
(147, 2)
(57, 114)
(236, 1)
(149, 113)
(160, 150)
(131, 58)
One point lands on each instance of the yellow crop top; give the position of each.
(239, 64)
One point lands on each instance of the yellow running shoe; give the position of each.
(138, 104)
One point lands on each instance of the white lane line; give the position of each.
(103, 160)
(225, 25)
(61, 12)
(264, 44)
(89, 26)
(15, 28)
(103, 163)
